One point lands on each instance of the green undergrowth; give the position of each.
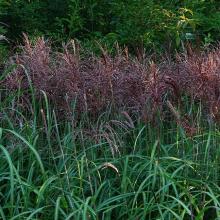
(110, 168)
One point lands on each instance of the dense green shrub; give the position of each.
(33, 17)
(140, 23)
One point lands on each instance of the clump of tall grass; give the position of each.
(122, 82)
(113, 166)
(93, 83)
(198, 76)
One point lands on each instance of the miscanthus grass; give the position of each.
(109, 168)
(138, 142)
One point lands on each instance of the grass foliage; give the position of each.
(111, 165)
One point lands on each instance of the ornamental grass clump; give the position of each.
(93, 83)
(198, 76)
